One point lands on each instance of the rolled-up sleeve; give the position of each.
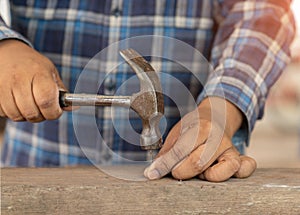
(251, 49)
(7, 33)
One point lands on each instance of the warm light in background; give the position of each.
(296, 10)
(296, 45)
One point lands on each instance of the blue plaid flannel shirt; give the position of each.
(247, 43)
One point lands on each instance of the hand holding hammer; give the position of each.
(148, 103)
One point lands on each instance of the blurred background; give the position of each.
(275, 141)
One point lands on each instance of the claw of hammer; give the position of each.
(147, 103)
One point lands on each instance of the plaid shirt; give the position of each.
(247, 43)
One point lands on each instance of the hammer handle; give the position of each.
(69, 99)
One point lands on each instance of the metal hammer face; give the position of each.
(148, 103)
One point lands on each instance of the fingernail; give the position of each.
(153, 174)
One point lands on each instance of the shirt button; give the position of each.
(116, 12)
(110, 84)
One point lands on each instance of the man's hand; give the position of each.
(29, 84)
(200, 145)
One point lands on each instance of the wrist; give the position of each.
(233, 116)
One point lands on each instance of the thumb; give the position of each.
(162, 165)
(62, 88)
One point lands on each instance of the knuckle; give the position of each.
(195, 168)
(16, 118)
(54, 115)
(12, 113)
(15, 78)
(197, 165)
(205, 126)
(252, 163)
(176, 153)
(40, 119)
(44, 64)
(32, 116)
(248, 166)
(39, 65)
(235, 165)
(1, 112)
(45, 103)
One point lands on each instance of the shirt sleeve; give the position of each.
(251, 49)
(7, 33)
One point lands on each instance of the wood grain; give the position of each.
(87, 190)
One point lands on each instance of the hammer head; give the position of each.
(148, 103)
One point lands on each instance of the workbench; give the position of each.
(87, 190)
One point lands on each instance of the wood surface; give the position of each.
(87, 190)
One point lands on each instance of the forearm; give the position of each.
(250, 51)
(255, 52)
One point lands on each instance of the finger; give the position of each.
(228, 164)
(184, 146)
(1, 112)
(188, 121)
(202, 157)
(170, 140)
(25, 102)
(62, 87)
(9, 107)
(46, 95)
(248, 166)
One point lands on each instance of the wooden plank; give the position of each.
(88, 190)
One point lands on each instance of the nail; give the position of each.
(153, 174)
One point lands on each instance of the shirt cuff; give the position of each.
(8, 33)
(215, 87)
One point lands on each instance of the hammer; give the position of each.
(147, 103)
